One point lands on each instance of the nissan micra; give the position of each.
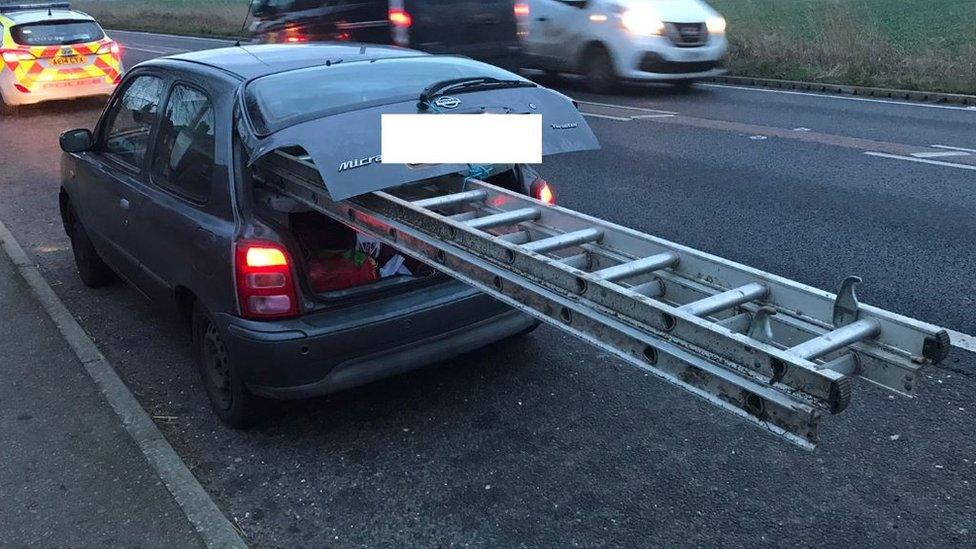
(282, 301)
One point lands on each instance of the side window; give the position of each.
(184, 157)
(129, 124)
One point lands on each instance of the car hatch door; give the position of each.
(346, 146)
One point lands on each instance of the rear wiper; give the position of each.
(469, 84)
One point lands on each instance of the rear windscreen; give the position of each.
(56, 33)
(281, 100)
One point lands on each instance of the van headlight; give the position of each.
(642, 21)
(716, 25)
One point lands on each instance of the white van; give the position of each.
(607, 41)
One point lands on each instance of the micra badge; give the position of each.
(568, 126)
(359, 163)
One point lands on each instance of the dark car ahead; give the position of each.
(487, 30)
(282, 301)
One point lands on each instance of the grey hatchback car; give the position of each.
(282, 302)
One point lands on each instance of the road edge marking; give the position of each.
(921, 160)
(951, 148)
(828, 95)
(212, 526)
(963, 341)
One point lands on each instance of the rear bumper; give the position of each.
(339, 349)
(40, 92)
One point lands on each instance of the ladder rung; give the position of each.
(726, 300)
(452, 199)
(738, 323)
(578, 261)
(562, 241)
(637, 267)
(518, 237)
(463, 216)
(654, 288)
(505, 218)
(845, 364)
(837, 339)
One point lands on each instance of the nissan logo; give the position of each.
(447, 102)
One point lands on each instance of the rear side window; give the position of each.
(184, 158)
(56, 33)
(131, 120)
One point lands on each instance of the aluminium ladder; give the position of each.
(773, 351)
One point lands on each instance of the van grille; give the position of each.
(687, 35)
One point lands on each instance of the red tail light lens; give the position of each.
(522, 10)
(400, 18)
(13, 56)
(543, 192)
(265, 286)
(109, 47)
(21, 89)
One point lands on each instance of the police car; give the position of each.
(49, 51)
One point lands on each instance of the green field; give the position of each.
(913, 44)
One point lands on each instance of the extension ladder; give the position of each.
(773, 351)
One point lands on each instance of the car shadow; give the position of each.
(59, 108)
(575, 85)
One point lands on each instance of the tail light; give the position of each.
(522, 10)
(109, 47)
(542, 191)
(21, 89)
(13, 56)
(265, 284)
(401, 18)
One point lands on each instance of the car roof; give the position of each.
(40, 15)
(253, 61)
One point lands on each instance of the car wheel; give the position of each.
(229, 398)
(598, 70)
(91, 268)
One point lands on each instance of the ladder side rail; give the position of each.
(780, 413)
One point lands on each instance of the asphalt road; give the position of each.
(545, 442)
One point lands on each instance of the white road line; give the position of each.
(168, 51)
(177, 36)
(947, 147)
(922, 160)
(943, 154)
(608, 117)
(963, 341)
(646, 116)
(829, 96)
(625, 107)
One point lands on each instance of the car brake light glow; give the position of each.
(400, 18)
(543, 192)
(109, 47)
(265, 285)
(13, 56)
(522, 10)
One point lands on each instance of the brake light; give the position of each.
(400, 18)
(522, 10)
(21, 89)
(109, 47)
(13, 56)
(265, 285)
(543, 192)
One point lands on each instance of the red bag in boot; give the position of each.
(340, 270)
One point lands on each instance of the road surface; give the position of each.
(546, 442)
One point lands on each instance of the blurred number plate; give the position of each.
(74, 60)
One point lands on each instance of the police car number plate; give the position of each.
(74, 60)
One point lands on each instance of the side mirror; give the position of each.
(77, 141)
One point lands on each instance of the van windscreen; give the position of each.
(281, 100)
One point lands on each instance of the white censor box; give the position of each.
(462, 138)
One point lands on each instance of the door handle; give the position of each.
(124, 204)
(543, 19)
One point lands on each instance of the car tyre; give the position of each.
(683, 85)
(229, 397)
(598, 70)
(92, 270)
